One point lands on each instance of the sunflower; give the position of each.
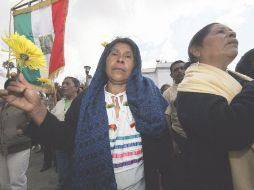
(45, 83)
(26, 53)
(44, 80)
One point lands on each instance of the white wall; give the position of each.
(160, 75)
(163, 77)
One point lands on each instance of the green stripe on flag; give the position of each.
(22, 25)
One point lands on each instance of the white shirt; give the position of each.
(125, 143)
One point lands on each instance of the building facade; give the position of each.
(160, 74)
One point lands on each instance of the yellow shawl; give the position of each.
(203, 78)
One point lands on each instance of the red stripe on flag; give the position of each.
(59, 13)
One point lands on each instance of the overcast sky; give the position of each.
(161, 28)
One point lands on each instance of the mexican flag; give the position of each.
(44, 24)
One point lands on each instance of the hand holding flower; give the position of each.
(22, 95)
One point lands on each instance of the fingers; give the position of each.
(13, 75)
(21, 78)
(24, 81)
(3, 94)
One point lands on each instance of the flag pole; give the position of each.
(27, 3)
(9, 65)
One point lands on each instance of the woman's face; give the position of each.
(220, 46)
(69, 88)
(119, 63)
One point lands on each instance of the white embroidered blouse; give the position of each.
(125, 142)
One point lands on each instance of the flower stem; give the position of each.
(19, 69)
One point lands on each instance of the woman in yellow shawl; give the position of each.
(216, 108)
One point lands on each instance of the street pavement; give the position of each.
(37, 180)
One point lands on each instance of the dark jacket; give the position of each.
(11, 119)
(214, 128)
(61, 135)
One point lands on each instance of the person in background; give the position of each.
(58, 92)
(164, 87)
(179, 137)
(177, 70)
(116, 128)
(81, 87)
(215, 107)
(47, 149)
(70, 89)
(14, 146)
(246, 64)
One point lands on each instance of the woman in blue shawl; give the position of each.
(89, 129)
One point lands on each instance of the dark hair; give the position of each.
(174, 63)
(74, 80)
(186, 65)
(7, 82)
(101, 67)
(197, 40)
(245, 66)
(164, 87)
(128, 41)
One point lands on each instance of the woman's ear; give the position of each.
(195, 51)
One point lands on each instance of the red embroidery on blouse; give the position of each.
(112, 126)
(133, 125)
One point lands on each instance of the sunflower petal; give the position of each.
(19, 45)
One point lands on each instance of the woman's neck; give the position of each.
(115, 88)
(223, 65)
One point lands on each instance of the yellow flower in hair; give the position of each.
(26, 53)
(104, 43)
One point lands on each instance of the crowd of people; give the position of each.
(124, 133)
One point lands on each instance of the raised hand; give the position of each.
(21, 94)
